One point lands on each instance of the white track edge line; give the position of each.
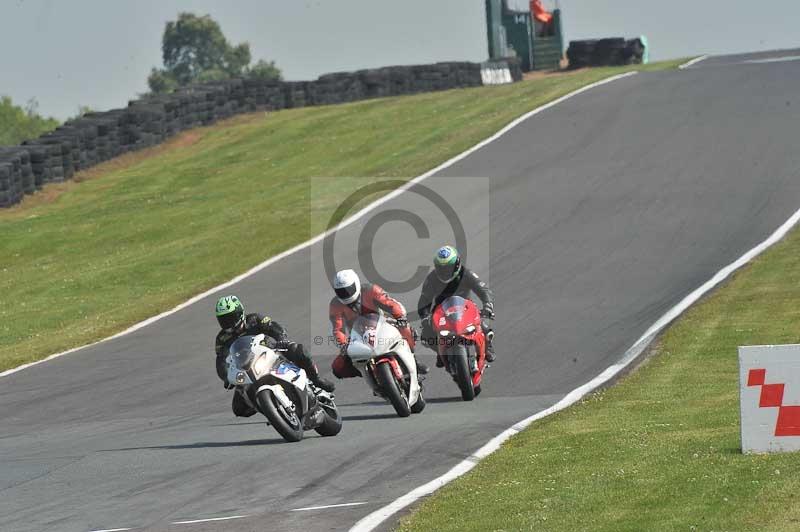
(210, 519)
(377, 517)
(112, 530)
(341, 505)
(344, 223)
(694, 61)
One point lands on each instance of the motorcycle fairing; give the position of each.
(371, 336)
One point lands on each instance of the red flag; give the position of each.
(540, 13)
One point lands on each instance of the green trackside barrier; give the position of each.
(519, 34)
(513, 32)
(548, 51)
(496, 33)
(510, 33)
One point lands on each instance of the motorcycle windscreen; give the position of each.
(364, 325)
(242, 353)
(454, 308)
(364, 330)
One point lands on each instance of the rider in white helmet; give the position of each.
(352, 300)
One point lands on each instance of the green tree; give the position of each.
(264, 70)
(161, 81)
(18, 124)
(194, 48)
(83, 110)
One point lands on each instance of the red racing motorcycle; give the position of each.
(461, 343)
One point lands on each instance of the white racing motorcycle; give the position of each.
(280, 390)
(386, 362)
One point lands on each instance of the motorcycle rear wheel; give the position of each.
(287, 424)
(391, 389)
(457, 355)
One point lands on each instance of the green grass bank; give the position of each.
(138, 235)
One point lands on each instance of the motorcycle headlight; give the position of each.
(444, 333)
(261, 367)
(470, 329)
(240, 377)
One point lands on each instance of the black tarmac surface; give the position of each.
(604, 212)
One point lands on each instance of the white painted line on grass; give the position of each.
(372, 206)
(329, 506)
(693, 62)
(193, 521)
(374, 519)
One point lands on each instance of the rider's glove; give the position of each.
(488, 311)
(402, 323)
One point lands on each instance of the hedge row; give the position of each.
(605, 52)
(96, 137)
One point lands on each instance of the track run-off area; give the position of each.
(590, 220)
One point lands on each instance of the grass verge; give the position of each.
(139, 235)
(661, 449)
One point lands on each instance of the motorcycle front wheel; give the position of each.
(419, 406)
(457, 359)
(285, 421)
(332, 424)
(391, 389)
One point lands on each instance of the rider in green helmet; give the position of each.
(235, 323)
(451, 278)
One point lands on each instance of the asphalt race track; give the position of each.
(604, 212)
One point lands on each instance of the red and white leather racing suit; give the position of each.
(372, 299)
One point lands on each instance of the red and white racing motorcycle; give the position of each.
(386, 362)
(461, 343)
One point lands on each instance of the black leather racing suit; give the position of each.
(276, 337)
(435, 291)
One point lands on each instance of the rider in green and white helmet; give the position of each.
(230, 313)
(451, 278)
(235, 323)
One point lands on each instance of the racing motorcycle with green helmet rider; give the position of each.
(235, 323)
(450, 277)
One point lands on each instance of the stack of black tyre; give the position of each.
(388, 81)
(604, 52)
(380, 82)
(16, 175)
(443, 76)
(259, 94)
(96, 137)
(335, 88)
(515, 67)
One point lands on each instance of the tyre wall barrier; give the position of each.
(605, 52)
(501, 72)
(96, 137)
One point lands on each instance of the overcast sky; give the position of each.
(99, 52)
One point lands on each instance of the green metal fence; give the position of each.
(548, 50)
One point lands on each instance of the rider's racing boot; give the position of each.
(422, 369)
(319, 382)
(324, 384)
(490, 356)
